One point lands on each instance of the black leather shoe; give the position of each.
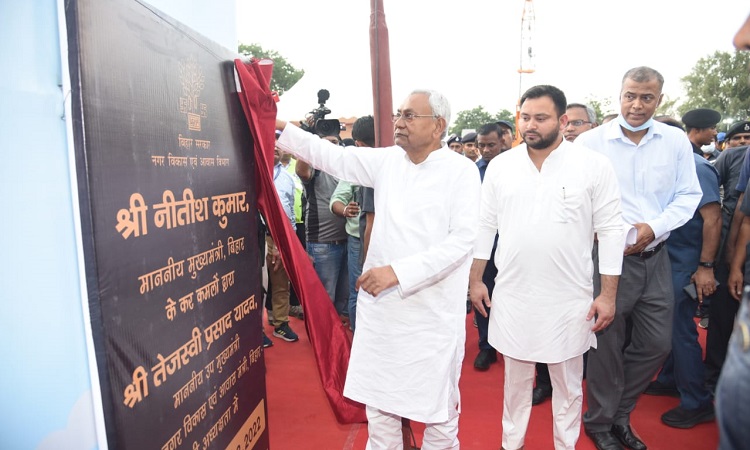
(656, 388)
(688, 418)
(540, 394)
(625, 434)
(484, 359)
(604, 440)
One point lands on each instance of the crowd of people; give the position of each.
(588, 250)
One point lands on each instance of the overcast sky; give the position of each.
(470, 49)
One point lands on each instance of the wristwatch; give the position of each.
(710, 265)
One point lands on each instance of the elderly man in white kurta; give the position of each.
(546, 199)
(407, 351)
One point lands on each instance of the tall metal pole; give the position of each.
(382, 95)
(382, 102)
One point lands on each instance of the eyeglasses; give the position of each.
(577, 123)
(409, 117)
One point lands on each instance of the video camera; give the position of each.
(320, 125)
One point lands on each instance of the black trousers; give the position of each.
(720, 325)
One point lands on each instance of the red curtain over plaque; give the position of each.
(329, 338)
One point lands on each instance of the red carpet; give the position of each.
(299, 417)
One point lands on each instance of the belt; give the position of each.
(340, 242)
(646, 254)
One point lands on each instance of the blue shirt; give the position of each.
(284, 184)
(686, 242)
(482, 164)
(657, 177)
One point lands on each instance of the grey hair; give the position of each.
(589, 111)
(643, 74)
(439, 105)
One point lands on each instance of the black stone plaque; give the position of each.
(170, 230)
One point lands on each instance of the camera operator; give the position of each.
(325, 232)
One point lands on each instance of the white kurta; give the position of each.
(546, 221)
(407, 351)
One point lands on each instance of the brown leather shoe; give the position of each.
(625, 434)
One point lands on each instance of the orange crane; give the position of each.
(527, 57)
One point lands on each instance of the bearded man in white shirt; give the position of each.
(407, 351)
(546, 199)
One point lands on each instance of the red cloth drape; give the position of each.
(329, 338)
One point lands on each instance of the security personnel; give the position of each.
(700, 125)
(738, 135)
(725, 303)
(454, 143)
(692, 252)
(469, 142)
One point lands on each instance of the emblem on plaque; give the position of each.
(193, 81)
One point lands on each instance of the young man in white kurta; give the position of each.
(407, 351)
(546, 210)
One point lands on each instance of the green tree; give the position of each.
(668, 107)
(507, 116)
(284, 74)
(719, 82)
(475, 118)
(601, 107)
